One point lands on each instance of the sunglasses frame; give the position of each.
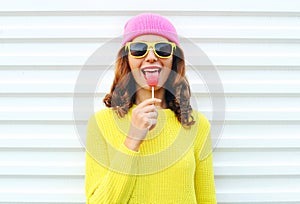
(152, 45)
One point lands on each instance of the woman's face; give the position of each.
(150, 65)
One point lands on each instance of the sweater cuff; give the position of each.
(125, 161)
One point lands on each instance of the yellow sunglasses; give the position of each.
(141, 49)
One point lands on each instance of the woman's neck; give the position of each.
(143, 94)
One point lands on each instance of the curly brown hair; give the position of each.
(177, 89)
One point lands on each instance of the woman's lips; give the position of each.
(151, 74)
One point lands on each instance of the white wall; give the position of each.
(254, 44)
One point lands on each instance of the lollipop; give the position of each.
(152, 79)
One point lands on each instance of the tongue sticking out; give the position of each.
(152, 78)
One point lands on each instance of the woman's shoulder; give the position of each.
(201, 119)
(203, 140)
(101, 115)
(103, 112)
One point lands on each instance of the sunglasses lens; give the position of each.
(138, 49)
(163, 49)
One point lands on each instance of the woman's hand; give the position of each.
(144, 118)
(145, 114)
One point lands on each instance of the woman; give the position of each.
(145, 149)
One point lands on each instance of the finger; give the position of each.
(149, 101)
(152, 124)
(152, 115)
(152, 121)
(149, 109)
(142, 110)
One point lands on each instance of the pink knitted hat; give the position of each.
(149, 23)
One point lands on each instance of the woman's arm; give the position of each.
(204, 181)
(204, 173)
(108, 180)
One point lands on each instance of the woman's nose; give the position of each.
(150, 57)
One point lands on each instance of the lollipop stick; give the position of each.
(152, 92)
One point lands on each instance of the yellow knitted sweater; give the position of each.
(173, 164)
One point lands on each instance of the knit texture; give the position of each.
(149, 23)
(173, 164)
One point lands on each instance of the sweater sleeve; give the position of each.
(108, 175)
(204, 173)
